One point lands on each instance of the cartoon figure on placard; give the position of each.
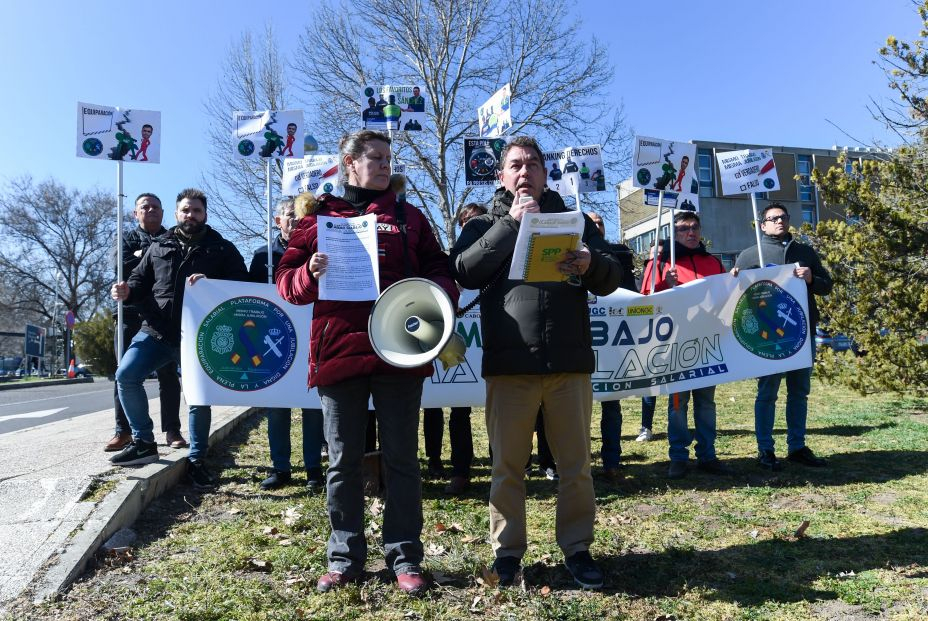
(274, 140)
(678, 185)
(416, 103)
(291, 136)
(670, 172)
(599, 179)
(412, 125)
(555, 174)
(124, 140)
(142, 155)
(687, 205)
(570, 166)
(392, 113)
(584, 171)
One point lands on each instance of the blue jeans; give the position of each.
(145, 355)
(648, 404)
(798, 385)
(278, 436)
(396, 401)
(678, 433)
(610, 427)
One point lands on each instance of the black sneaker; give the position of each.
(768, 459)
(198, 476)
(138, 452)
(506, 567)
(806, 457)
(278, 478)
(714, 466)
(315, 480)
(677, 470)
(585, 570)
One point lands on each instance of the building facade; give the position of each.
(728, 220)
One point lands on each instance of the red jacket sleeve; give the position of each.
(659, 285)
(433, 262)
(294, 281)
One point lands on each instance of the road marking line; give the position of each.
(37, 414)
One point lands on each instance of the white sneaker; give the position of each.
(644, 435)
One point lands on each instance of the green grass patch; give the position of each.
(702, 547)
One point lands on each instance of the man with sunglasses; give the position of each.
(693, 262)
(779, 249)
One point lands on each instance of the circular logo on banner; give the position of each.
(92, 147)
(768, 183)
(246, 344)
(246, 147)
(644, 176)
(769, 322)
(327, 187)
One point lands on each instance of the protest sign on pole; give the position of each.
(313, 173)
(749, 171)
(575, 170)
(393, 108)
(118, 134)
(494, 117)
(481, 159)
(268, 134)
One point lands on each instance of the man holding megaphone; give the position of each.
(537, 350)
(347, 371)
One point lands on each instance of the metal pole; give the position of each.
(119, 271)
(270, 256)
(655, 258)
(673, 239)
(760, 250)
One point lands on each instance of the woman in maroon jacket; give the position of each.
(347, 372)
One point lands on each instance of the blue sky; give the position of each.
(764, 72)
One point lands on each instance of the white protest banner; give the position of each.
(268, 133)
(313, 173)
(711, 331)
(127, 135)
(747, 171)
(494, 117)
(666, 165)
(242, 344)
(393, 108)
(575, 169)
(481, 158)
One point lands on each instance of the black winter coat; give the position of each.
(156, 285)
(257, 272)
(530, 328)
(788, 250)
(138, 239)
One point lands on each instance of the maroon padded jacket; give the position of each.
(340, 348)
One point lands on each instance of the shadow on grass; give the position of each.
(769, 571)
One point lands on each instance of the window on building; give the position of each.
(808, 213)
(804, 169)
(706, 173)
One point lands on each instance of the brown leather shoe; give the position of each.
(175, 440)
(118, 442)
(412, 583)
(333, 580)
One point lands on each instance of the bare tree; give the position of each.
(55, 248)
(253, 80)
(460, 52)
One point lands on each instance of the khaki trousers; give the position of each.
(512, 406)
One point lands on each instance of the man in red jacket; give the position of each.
(693, 262)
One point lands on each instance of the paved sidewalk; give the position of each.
(47, 532)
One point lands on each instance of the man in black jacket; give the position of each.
(779, 249)
(278, 419)
(149, 214)
(185, 254)
(537, 350)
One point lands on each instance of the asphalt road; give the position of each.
(29, 407)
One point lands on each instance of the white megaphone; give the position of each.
(412, 323)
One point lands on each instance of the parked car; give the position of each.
(837, 342)
(81, 370)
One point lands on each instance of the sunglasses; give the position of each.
(780, 218)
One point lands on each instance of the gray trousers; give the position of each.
(344, 405)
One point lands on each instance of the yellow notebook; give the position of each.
(544, 253)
